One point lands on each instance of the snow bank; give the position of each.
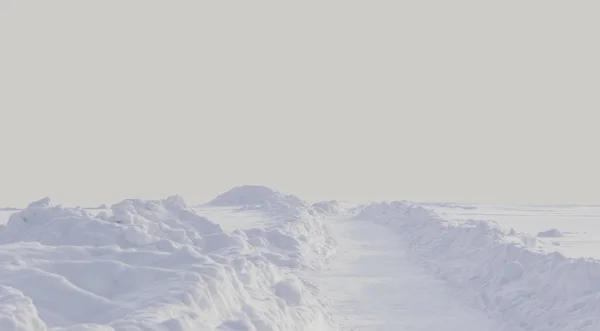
(502, 274)
(297, 232)
(150, 265)
(327, 207)
(17, 311)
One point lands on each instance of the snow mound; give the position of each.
(298, 237)
(151, 265)
(17, 312)
(44, 202)
(165, 225)
(264, 199)
(502, 274)
(327, 207)
(246, 195)
(552, 233)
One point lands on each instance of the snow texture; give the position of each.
(272, 202)
(327, 207)
(502, 274)
(552, 233)
(298, 231)
(157, 265)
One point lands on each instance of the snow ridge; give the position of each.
(327, 207)
(297, 231)
(499, 271)
(270, 201)
(155, 266)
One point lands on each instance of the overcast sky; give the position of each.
(361, 100)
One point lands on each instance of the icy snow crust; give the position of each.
(499, 271)
(156, 265)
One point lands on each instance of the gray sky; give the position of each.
(443, 100)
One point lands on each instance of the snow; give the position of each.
(233, 217)
(256, 259)
(552, 233)
(102, 207)
(156, 265)
(262, 198)
(296, 227)
(5, 215)
(374, 285)
(327, 207)
(579, 225)
(505, 275)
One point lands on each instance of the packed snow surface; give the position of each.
(374, 285)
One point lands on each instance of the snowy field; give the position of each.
(255, 259)
(578, 226)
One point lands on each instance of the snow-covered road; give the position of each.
(373, 285)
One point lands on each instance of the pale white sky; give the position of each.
(422, 100)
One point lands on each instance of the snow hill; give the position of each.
(306, 236)
(265, 199)
(156, 265)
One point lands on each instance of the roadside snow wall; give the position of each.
(297, 231)
(499, 272)
(150, 266)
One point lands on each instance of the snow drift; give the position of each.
(297, 230)
(154, 265)
(499, 271)
(272, 202)
(327, 207)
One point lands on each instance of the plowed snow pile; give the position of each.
(297, 230)
(156, 265)
(499, 271)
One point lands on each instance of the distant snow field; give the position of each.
(255, 259)
(579, 225)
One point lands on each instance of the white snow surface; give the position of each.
(499, 271)
(373, 285)
(311, 241)
(5, 215)
(255, 259)
(157, 265)
(579, 225)
(552, 233)
(328, 207)
(273, 202)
